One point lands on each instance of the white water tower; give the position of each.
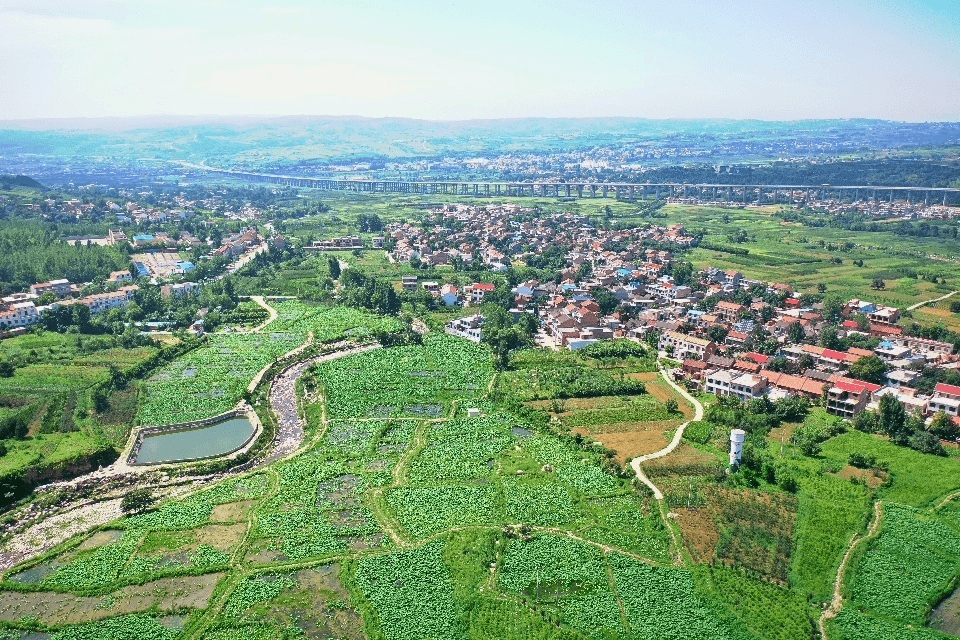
(737, 436)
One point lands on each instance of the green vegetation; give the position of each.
(212, 378)
(830, 511)
(912, 563)
(917, 479)
(48, 413)
(411, 381)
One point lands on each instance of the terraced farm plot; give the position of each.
(212, 378)
(164, 595)
(329, 323)
(636, 439)
(412, 381)
(912, 561)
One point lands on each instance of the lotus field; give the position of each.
(407, 519)
(212, 378)
(329, 323)
(413, 381)
(911, 562)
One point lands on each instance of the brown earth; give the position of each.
(699, 531)
(871, 477)
(99, 539)
(629, 444)
(224, 537)
(167, 594)
(232, 512)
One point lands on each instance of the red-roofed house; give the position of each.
(947, 391)
(946, 398)
(846, 398)
(475, 292)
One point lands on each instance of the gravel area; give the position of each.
(283, 399)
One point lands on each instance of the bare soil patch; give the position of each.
(167, 594)
(662, 391)
(683, 456)
(639, 440)
(232, 512)
(869, 476)
(259, 553)
(99, 539)
(645, 376)
(581, 404)
(699, 531)
(782, 433)
(224, 537)
(946, 617)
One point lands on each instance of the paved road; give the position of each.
(698, 415)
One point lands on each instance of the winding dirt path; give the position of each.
(926, 302)
(273, 313)
(836, 603)
(677, 437)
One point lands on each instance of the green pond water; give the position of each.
(218, 438)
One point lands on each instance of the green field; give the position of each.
(51, 392)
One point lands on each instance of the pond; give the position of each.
(212, 440)
(946, 617)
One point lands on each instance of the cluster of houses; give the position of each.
(450, 295)
(239, 243)
(494, 236)
(729, 368)
(21, 310)
(346, 243)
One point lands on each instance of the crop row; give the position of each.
(908, 566)
(329, 323)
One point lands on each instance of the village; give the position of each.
(729, 335)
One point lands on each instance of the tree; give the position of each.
(717, 333)
(137, 501)
(6, 369)
(333, 265)
(833, 305)
(866, 421)
(607, 301)
(822, 288)
(893, 419)
(671, 405)
(683, 273)
(944, 427)
(502, 335)
(796, 333)
(869, 368)
(926, 442)
(829, 338)
(878, 284)
(47, 298)
(369, 223)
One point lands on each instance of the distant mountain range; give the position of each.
(256, 141)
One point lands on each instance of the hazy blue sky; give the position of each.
(482, 59)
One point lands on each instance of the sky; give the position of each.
(456, 59)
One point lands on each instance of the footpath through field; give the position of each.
(698, 415)
(926, 302)
(273, 313)
(836, 603)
